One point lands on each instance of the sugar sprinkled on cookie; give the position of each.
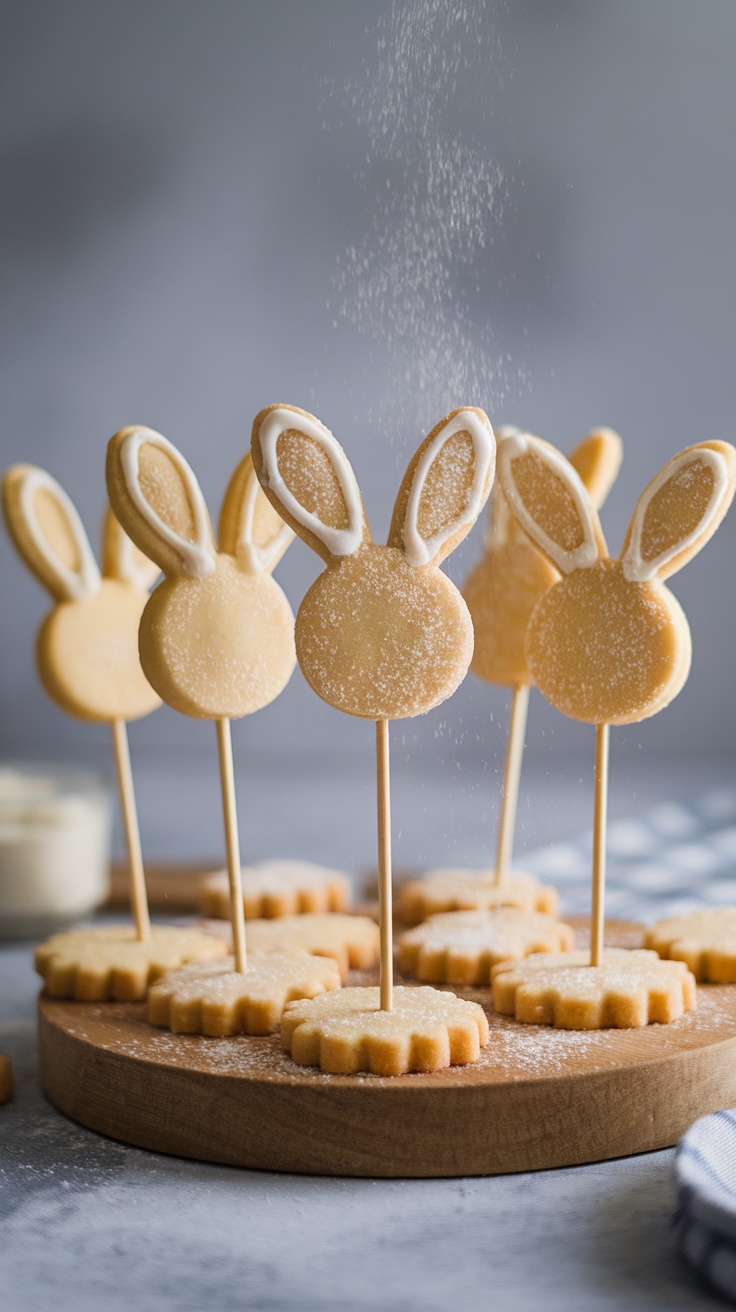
(345, 1032)
(278, 888)
(460, 947)
(630, 988)
(108, 962)
(472, 890)
(214, 998)
(352, 941)
(704, 940)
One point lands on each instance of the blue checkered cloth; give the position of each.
(680, 857)
(705, 1222)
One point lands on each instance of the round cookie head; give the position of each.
(506, 584)
(609, 643)
(217, 635)
(87, 647)
(382, 633)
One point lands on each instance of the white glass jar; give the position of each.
(54, 848)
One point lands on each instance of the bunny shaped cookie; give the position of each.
(501, 592)
(506, 584)
(217, 641)
(216, 638)
(382, 634)
(87, 647)
(609, 643)
(87, 655)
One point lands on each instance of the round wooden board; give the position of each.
(538, 1098)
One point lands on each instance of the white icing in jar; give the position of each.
(54, 848)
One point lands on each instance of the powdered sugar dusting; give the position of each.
(414, 281)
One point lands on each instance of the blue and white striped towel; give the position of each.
(705, 1222)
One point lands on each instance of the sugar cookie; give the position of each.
(217, 635)
(630, 988)
(352, 941)
(609, 643)
(704, 940)
(278, 888)
(459, 947)
(87, 646)
(472, 890)
(382, 633)
(216, 999)
(347, 1031)
(6, 1078)
(505, 586)
(109, 962)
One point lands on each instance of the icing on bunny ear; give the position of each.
(444, 488)
(597, 460)
(549, 499)
(250, 529)
(123, 560)
(48, 533)
(679, 511)
(159, 502)
(307, 477)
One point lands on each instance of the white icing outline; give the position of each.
(637, 570)
(197, 557)
(418, 551)
(338, 541)
(253, 559)
(79, 584)
(584, 556)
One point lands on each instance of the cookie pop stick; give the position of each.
(609, 643)
(382, 634)
(502, 591)
(87, 645)
(217, 642)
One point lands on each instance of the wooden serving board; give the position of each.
(538, 1098)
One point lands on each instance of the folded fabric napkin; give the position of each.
(705, 1221)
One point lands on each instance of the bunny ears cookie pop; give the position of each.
(609, 643)
(216, 641)
(87, 655)
(501, 592)
(382, 634)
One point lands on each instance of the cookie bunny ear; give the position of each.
(123, 560)
(159, 502)
(307, 477)
(597, 460)
(48, 533)
(679, 511)
(445, 487)
(550, 502)
(250, 529)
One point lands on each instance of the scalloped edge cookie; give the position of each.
(460, 947)
(631, 988)
(472, 890)
(108, 963)
(214, 999)
(346, 1032)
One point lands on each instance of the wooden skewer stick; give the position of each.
(138, 896)
(383, 787)
(232, 843)
(511, 777)
(600, 817)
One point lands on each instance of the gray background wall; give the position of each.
(180, 182)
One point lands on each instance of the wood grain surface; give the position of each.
(539, 1097)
